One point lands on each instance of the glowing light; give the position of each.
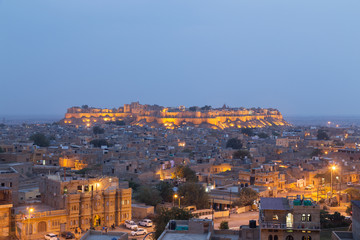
(333, 168)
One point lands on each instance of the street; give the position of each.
(236, 220)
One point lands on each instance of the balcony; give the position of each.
(294, 226)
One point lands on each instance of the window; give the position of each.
(309, 238)
(308, 217)
(275, 217)
(303, 217)
(270, 237)
(289, 237)
(276, 237)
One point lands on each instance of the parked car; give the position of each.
(139, 231)
(131, 225)
(51, 236)
(350, 184)
(146, 223)
(67, 235)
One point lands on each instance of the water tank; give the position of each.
(172, 225)
(252, 224)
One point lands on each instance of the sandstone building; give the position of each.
(71, 203)
(289, 219)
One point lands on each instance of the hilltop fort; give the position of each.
(157, 116)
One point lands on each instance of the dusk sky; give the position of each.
(302, 57)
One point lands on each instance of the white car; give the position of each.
(131, 225)
(51, 236)
(146, 223)
(140, 231)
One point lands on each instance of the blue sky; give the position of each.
(302, 57)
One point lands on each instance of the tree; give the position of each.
(2, 125)
(99, 142)
(133, 185)
(333, 220)
(193, 109)
(234, 143)
(98, 130)
(193, 194)
(148, 195)
(85, 106)
(40, 140)
(165, 215)
(206, 108)
(185, 172)
(263, 135)
(247, 131)
(241, 154)
(224, 225)
(322, 135)
(246, 197)
(317, 153)
(166, 191)
(353, 193)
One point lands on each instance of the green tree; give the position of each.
(247, 131)
(333, 220)
(353, 193)
(40, 140)
(241, 154)
(165, 215)
(224, 225)
(322, 135)
(263, 135)
(98, 130)
(193, 109)
(317, 153)
(185, 172)
(246, 197)
(206, 108)
(234, 143)
(148, 195)
(99, 142)
(192, 193)
(133, 185)
(166, 191)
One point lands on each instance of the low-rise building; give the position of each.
(289, 218)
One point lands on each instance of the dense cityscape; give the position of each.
(98, 176)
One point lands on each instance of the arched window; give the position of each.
(289, 237)
(309, 217)
(270, 237)
(309, 238)
(276, 237)
(303, 238)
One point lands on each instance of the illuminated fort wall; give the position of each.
(139, 115)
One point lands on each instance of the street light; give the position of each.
(30, 210)
(333, 168)
(174, 197)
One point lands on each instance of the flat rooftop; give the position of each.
(97, 235)
(37, 208)
(184, 236)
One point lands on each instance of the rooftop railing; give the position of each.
(290, 226)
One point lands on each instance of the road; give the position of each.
(236, 220)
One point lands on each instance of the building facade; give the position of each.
(291, 218)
